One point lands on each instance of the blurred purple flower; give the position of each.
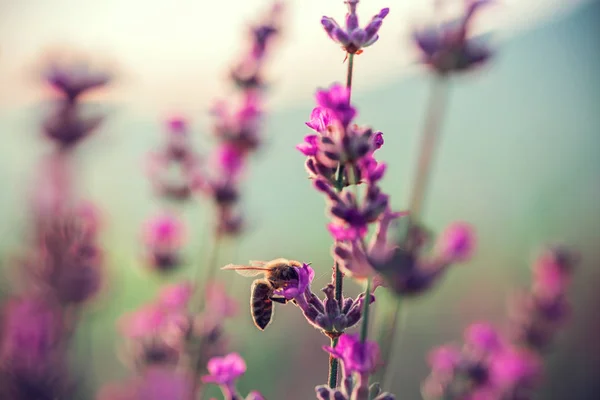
(176, 296)
(31, 332)
(444, 359)
(457, 242)
(483, 337)
(72, 80)
(447, 49)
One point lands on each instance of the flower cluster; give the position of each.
(331, 316)
(359, 359)
(486, 367)
(496, 366)
(163, 237)
(67, 125)
(401, 265)
(535, 316)
(167, 333)
(237, 128)
(447, 49)
(173, 168)
(61, 268)
(340, 153)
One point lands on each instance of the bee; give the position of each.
(277, 275)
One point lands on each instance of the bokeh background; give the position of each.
(519, 159)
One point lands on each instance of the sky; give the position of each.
(172, 54)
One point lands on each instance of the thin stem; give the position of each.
(429, 141)
(349, 74)
(364, 328)
(333, 366)
(213, 256)
(387, 335)
(338, 277)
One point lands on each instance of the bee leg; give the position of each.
(280, 300)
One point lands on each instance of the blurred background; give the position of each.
(519, 159)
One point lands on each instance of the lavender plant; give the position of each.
(60, 271)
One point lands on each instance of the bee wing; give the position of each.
(257, 263)
(246, 270)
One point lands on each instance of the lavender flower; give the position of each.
(67, 126)
(487, 367)
(177, 151)
(352, 38)
(224, 371)
(337, 142)
(237, 128)
(355, 356)
(296, 288)
(163, 237)
(359, 359)
(446, 49)
(537, 315)
(404, 268)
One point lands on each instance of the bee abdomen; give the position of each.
(261, 305)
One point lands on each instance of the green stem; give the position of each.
(211, 269)
(349, 74)
(333, 366)
(364, 328)
(429, 141)
(387, 342)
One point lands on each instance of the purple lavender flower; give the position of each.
(296, 288)
(405, 269)
(72, 80)
(483, 337)
(176, 153)
(339, 152)
(487, 367)
(537, 315)
(176, 296)
(225, 370)
(352, 38)
(334, 102)
(67, 126)
(447, 49)
(31, 333)
(163, 237)
(356, 356)
(457, 242)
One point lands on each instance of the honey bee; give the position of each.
(277, 275)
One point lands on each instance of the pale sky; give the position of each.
(172, 54)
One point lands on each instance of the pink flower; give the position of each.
(296, 287)
(225, 370)
(145, 321)
(176, 296)
(512, 367)
(483, 337)
(457, 242)
(164, 232)
(218, 302)
(444, 359)
(355, 355)
(177, 124)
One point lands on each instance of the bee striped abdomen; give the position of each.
(261, 305)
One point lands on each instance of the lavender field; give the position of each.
(293, 200)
